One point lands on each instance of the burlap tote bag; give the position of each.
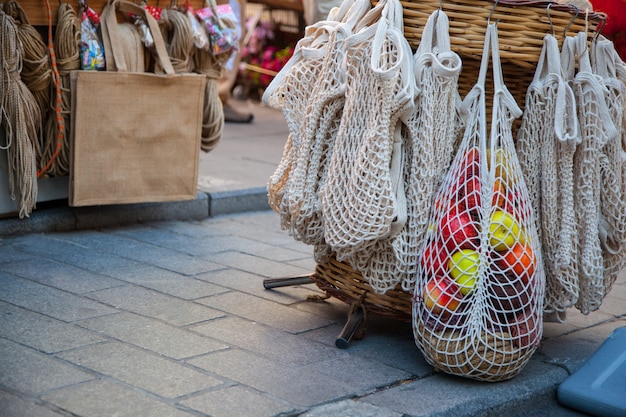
(479, 293)
(360, 196)
(135, 135)
(546, 143)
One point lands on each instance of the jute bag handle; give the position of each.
(111, 35)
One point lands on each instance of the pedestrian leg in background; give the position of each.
(229, 77)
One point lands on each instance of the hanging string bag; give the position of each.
(428, 137)
(289, 92)
(359, 198)
(596, 129)
(545, 144)
(479, 294)
(320, 127)
(607, 65)
(21, 119)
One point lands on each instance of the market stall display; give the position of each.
(37, 77)
(474, 272)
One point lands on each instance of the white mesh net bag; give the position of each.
(612, 70)
(289, 92)
(596, 129)
(323, 116)
(428, 140)
(478, 300)
(358, 199)
(546, 143)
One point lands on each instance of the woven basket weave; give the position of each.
(522, 26)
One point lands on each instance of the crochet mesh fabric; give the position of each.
(596, 130)
(323, 109)
(611, 69)
(546, 149)
(358, 199)
(428, 140)
(289, 91)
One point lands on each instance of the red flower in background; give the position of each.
(615, 28)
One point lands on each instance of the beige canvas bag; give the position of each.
(135, 135)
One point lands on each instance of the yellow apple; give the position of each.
(504, 231)
(502, 165)
(464, 268)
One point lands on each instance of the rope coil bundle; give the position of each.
(67, 48)
(20, 115)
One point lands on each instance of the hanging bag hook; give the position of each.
(550, 19)
(571, 21)
(491, 13)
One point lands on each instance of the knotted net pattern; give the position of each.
(428, 138)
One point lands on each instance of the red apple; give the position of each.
(458, 231)
(469, 192)
(434, 259)
(470, 164)
(508, 295)
(442, 294)
(526, 329)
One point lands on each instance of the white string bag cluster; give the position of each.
(289, 92)
(321, 125)
(546, 143)
(478, 299)
(428, 139)
(359, 199)
(607, 64)
(573, 158)
(596, 130)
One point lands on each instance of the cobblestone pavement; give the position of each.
(170, 318)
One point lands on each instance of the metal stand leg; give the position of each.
(287, 282)
(355, 319)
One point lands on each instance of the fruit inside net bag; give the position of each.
(477, 306)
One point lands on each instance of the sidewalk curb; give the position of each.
(63, 218)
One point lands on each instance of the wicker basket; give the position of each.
(522, 26)
(339, 280)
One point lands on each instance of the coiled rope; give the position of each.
(67, 46)
(212, 66)
(36, 72)
(213, 113)
(58, 100)
(20, 114)
(178, 37)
